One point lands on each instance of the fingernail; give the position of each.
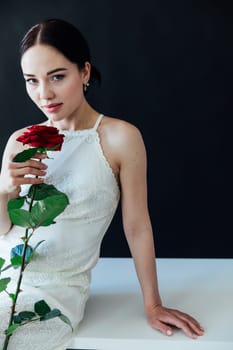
(194, 336)
(169, 332)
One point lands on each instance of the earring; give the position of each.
(85, 87)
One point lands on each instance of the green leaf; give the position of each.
(66, 320)
(17, 319)
(45, 211)
(15, 203)
(41, 149)
(26, 315)
(25, 155)
(12, 296)
(16, 261)
(42, 213)
(41, 308)
(43, 191)
(3, 283)
(51, 314)
(12, 328)
(21, 217)
(2, 262)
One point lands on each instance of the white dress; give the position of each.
(60, 272)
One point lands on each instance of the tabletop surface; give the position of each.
(115, 319)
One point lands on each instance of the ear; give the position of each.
(86, 73)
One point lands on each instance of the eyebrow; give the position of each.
(48, 73)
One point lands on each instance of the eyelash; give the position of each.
(59, 76)
(55, 78)
(31, 81)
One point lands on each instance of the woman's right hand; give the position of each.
(17, 174)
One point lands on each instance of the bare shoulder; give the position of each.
(119, 131)
(122, 141)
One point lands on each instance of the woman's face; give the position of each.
(54, 83)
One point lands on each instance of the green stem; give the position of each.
(22, 268)
(29, 321)
(7, 338)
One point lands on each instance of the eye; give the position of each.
(58, 77)
(31, 81)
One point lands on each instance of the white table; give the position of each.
(115, 318)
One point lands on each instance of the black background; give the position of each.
(167, 68)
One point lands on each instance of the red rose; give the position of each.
(42, 136)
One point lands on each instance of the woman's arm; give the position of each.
(138, 230)
(12, 176)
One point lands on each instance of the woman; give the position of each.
(101, 159)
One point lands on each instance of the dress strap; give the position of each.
(97, 123)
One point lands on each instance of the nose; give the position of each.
(45, 92)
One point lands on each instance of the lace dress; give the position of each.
(60, 272)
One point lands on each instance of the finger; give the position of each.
(186, 318)
(193, 323)
(20, 172)
(27, 181)
(169, 318)
(30, 163)
(40, 156)
(179, 323)
(16, 179)
(162, 327)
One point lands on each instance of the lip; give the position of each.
(53, 107)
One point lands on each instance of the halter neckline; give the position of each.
(95, 127)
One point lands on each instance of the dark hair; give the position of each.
(64, 37)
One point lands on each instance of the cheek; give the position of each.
(31, 93)
(74, 88)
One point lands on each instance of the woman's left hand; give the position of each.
(164, 319)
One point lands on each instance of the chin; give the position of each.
(54, 118)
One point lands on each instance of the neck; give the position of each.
(84, 118)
